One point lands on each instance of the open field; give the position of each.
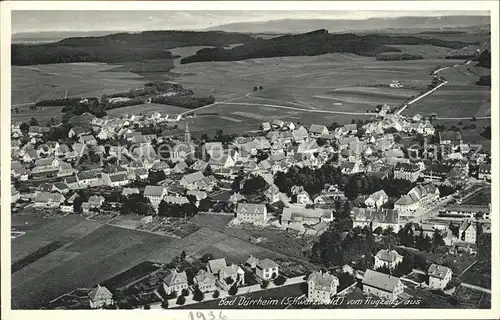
(212, 221)
(339, 83)
(298, 76)
(425, 50)
(43, 115)
(51, 81)
(92, 253)
(460, 97)
(478, 276)
(482, 197)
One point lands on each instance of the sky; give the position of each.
(33, 21)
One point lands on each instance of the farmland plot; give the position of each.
(83, 263)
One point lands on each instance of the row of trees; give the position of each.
(184, 101)
(313, 181)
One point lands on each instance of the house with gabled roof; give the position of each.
(175, 281)
(450, 137)
(307, 216)
(377, 199)
(308, 146)
(383, 218)
(234, 272)
(128, 191)
(100, 297)
(317, 131)
(30, 155)
(467, 232)
(419, 195)
(216, 265)
(65, 169)
(252, 213)
(155, 194)
(48, 200)
(197, 181)
(386, 258)
(205, 281)
(88, 140)
(265, 126)
(407, 171)
(236, 197)
(382, 285)
(266, 269)
(78, 131)
(439, 276)
(88, 179)
(321, 286)
(221, 161)
(300, 134)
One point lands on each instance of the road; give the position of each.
(437, 87)
(420, 97)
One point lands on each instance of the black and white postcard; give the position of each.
(258, 160)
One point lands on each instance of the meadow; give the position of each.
(43, 82)
(459, 98)
(343, 84)
(92, 253)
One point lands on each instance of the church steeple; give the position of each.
(187, 134)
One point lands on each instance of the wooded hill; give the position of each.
(315, 43)
(120, 47)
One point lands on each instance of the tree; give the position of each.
(404, 267)
(260, 88)
(437, 240)
(164, 304)
(207, 257)
(384, 269)
(254, 185)
(216, 294)
(229, 280)
(192, 199)
(147, 307)
(208, 171)
(183, 256)
(233, 290)
(198, 295)
(205, 205)
(280, 280)
(264, 284)
(181, 300)
(154, 177)
(33, 122)
(185, 292)
(24, 127)
(255, 89)
(77, 204)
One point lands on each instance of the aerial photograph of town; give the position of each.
(250, 160)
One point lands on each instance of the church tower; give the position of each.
(187, 134)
